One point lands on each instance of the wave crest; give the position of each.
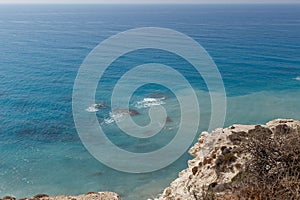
(149, 102)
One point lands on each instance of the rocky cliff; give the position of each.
(220, 158)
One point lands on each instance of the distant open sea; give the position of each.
(256, 48)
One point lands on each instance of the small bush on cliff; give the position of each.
(272, 171)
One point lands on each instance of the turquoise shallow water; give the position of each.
(256, 48)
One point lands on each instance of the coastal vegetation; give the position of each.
(242, 162)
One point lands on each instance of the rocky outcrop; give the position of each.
(87, 196)
(219, 159)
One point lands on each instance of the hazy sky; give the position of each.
(149, 1)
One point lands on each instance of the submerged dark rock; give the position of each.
(101, 105)
(130, 112)
(168, 119)
(133, 112)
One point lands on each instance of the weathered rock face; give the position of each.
(218, 159)
(88, 196)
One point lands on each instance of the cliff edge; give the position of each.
(242, 162)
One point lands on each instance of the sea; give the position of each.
(255, 47)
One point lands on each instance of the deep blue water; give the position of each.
(256, 48)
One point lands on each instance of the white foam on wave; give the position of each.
(149, 102)
(96, 107)
(109, 121)
(151, 99)
(116, 116)
(92, 108)
(297, 78)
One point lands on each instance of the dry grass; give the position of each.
(273, 170)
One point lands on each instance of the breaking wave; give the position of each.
(149, 102)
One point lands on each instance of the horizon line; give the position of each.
(150, 3)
